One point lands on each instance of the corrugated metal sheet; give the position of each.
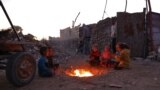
(130, 29)
(155, 30)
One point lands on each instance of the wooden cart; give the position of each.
(20, 65)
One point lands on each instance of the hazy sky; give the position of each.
(45, 18)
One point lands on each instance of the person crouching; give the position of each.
(50, 55)
(94, 56)
(43, 66)
(106, 57)
(123, 58)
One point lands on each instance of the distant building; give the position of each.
(69, 33)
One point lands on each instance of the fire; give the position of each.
(80, 73)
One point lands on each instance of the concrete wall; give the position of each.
(101, 33)
(69, 33)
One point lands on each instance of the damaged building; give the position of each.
(69, 37)
(140, 34)
(139, 30)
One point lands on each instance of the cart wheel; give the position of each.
(21, 69)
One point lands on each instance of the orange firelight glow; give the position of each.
(80, 73)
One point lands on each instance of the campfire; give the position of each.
(80, 73)
(84, 71)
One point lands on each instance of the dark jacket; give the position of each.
(43, 68)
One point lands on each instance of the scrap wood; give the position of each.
(115, 85)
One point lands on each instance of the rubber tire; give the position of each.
(15, 61)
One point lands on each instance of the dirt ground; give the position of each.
(143, 75)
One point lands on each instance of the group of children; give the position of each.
(119, 60)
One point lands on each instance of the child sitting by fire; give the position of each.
(94, 56)
(106, 57)
(123, 56)
(50, 55)
(44, 69)
(120, 60)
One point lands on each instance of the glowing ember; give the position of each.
(80, 73)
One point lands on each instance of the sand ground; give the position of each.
(143, 75)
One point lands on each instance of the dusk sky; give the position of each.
(44, 18)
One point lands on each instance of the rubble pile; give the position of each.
(63, 49)
(10, 43)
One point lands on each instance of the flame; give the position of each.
(80, 73)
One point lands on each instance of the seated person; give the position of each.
(50, 55)
(43, 66)
(123, 58)
(94, 56)
(106, 56)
